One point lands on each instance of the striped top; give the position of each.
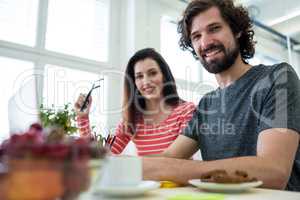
(149, 138)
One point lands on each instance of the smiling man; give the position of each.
(251, 122)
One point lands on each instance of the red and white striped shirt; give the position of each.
(148, 138)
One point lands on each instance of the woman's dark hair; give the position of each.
(236, 16)
(133, 101)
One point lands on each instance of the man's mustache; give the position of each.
(213, 47)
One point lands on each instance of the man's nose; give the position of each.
(205, 41)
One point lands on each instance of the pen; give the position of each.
(86, 100)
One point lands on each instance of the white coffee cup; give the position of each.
(121, 171)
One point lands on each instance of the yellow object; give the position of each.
(168, 184)
(197, 197)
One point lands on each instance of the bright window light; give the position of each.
(188, 95)
(182, 63)
(18, 19)
(16, 74)
(260, 58)
(208, 78)
(79, 28)
(63, 85)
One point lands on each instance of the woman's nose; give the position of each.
(146, 79)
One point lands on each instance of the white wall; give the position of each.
(139, 27)
(267, 45)
(296, 62)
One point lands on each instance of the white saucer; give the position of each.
(224, 187)
(127, 191)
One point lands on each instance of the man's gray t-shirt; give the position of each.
(227, 121)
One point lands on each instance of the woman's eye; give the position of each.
(138, 77)
(153, 73)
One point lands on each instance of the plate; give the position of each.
(127, 191)
(222, 187)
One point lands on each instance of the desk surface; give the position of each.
(163, 194)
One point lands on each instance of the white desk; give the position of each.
(163, 194)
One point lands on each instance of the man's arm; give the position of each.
(276, 149)
(183, 147)
(178, 148)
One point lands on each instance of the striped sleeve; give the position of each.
(156, 138)
(83, 124)
(121, 139)
(187, 114)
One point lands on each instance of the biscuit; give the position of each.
(221, 176)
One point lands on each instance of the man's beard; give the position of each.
(219, 65)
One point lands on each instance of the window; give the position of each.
(195, 92)
(209, 79)
(188, 95)
(192, 79)
(16, 74)
(63, 85)
(182, 63)
(260, 58)
(79, 28)
(18, 19)
(70, 33)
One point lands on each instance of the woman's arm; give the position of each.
(83, 124)
(120, 140)
(82, 117)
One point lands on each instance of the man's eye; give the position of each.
(195, 37)
(215, 28)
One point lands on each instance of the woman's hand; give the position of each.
(78, 104)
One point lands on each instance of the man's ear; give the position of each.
(238, 35)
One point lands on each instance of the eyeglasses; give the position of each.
(86, 101)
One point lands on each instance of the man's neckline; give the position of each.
(241, 78)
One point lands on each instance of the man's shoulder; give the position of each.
(267, 74)
(206, 98)
(282, 65)
(282, 73)
(277, 68)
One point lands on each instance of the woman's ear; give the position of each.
(238, 35)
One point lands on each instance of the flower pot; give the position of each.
(76, 177)
(34, 179)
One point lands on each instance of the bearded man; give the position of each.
(251, 121)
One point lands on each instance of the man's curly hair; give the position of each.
(236, 16)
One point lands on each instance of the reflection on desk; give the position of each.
(164, 194)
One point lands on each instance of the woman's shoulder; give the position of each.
(185, 106)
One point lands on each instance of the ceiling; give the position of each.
(283, 16)
(280, 15)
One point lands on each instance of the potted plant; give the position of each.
(32, 157)
(60, 118)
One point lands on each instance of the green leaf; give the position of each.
(64, 118)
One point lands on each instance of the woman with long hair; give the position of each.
(153, 113)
